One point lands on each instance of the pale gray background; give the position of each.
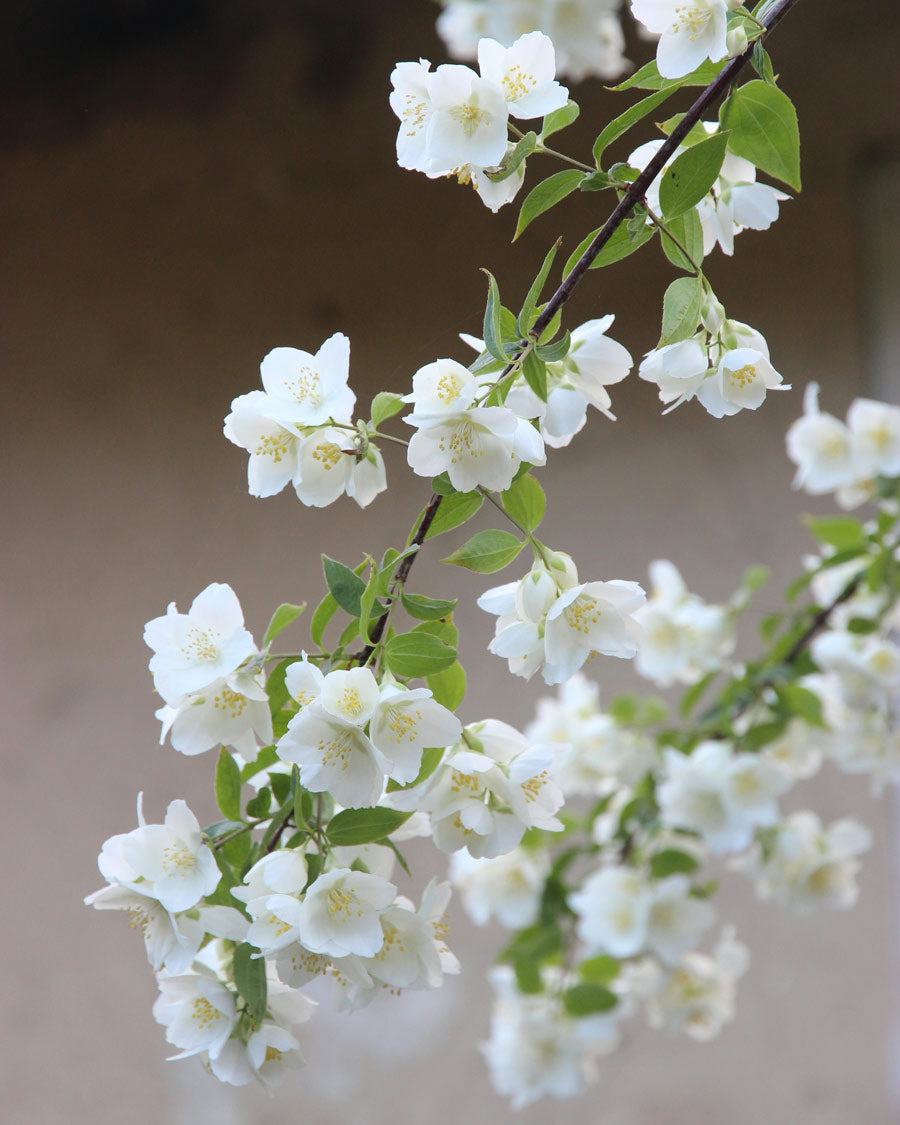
(178, 201)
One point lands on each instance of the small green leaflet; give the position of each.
(281, 618)
(671, 861)
(346, 587)
(449, 686)
(619, 246)
(546, 195)
(228, 786)
(559, 119)
(454, 510)
(426, 609)
(690, 176)
(385, 405)
(487, 551)
(417, 654)
(649, 78)
(763, 124)
(687, 230)
(323, 613)
(250, 980)
(535, 372)
(493, 331)
(352, 827)
(624, 121)
(524, 501)
(525, 318)
(681, 310)
(840, 532)
(588, 999)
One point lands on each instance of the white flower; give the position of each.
(677, 369)
(404, 723)
(229, 712)
(273, 447)
(481, 446)
(525, 73)
(595, 361)
(875, 427)
(327, 468)
(309, 390)
(303, 681)
(690, 31)
(736, 201)
(442, 387)
(740, 382)
(264, 1057)
(167, 861)
(194, 649)
(588, 618)
(197, 1011)
(467, 124)
(822, 448)
(507, 887)
(169, 942)
(612, 906)
(411, 102)
(341, 913)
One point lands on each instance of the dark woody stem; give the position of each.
(631, 198)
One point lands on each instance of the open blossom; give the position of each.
(507, 887)
(308, 390)
(525, 73)
(168, 862)
(690, 31)
(739, 382)
(273, 446)
(230, 712)
(468, 120)
(341, 913)
(197, 1011)
(821, 447)
(192, 650)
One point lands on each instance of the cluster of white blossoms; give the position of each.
(299, 429)
(550, 622)
(453, 122)
(587, 34)
(844, 457)
(734, 203)
(725, 366)
(206, 669)
(690, 31)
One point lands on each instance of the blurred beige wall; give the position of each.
(170, 218)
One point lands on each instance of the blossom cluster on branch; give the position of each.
(597, 833)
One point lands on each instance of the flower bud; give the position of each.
(736, 42)
(733, 5)
(563, 569)
(536, 593)
(712, 313)
(728, 335)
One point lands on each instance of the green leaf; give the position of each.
(522, 150)
(268, 756)
(487, 552)
(546, 195)
(688, 230)
(524, 501)
(352, 827)
(535, 373)
(426, 609)
(454, 510)
(413, 655)
(524, 319)
(237, 850)
(228, 786)
(323, 613)
(802, 702)
(840, 532)
(441, 485)
(559, 119)
(693, 693)
(624, 121)
(528, 976)
(671, 861)
(259, 805)
(681, 310)
(559, 349)
(443, 628)
(276, 688)
(763, 124)
(385, 405)
(619, 246)
(493, 332)
(346, 587)
(281, 618)
(690, 176)
(649, 78)
(250, 980)
(588, 999)
(448, 687)
(600, 970)
(367, 601)
(762, 64)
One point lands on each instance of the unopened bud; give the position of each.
(728, 336)
(563, 569)
(712, 313)
(736, 42)
(733, 5)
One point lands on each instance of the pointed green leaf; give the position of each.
(417, 655)
(250, 980)
(631, 116)
(546, 195)
(352, 827)
(346, 587)
(524, 319)
(323, 613)
(671, 861)
(763, 124)
(449, 686)
(588, 999)
(487, 552)
(681, 310)
(524, 501)
(559, 119)
(385, 405)
(687, 230)
(426, 609)
(228, 786)
(493, 331)
(690, 176)
(453, 511)
(281, 618)
(535, 374)
(649, 78)
(840, 532)
(619, 246)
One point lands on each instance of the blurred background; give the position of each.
(187, 185)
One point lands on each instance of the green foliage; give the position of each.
(681, 310)
(763, 124)
(840, 532)
(671, 861)
(545, 195)
(352, 827)
(426, 609)
(250, 980)
(588, 999)
(281, 618)
(344, 586)
(686, 230)
(559, 119)
(454, 510)
(600, 970)
(267, 756)
(621, 243)
(535, 373)
(276, 687)
(323, 613)
(648, 77)
(448, 686)
(511, 162)
(493, 329)
(690, 176)
(524, 501)
(621, 124)
(416, 654)
(228, 786)
(525, 319)
(487, 551)
(384, 406)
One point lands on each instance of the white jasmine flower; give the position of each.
(169, 942)
(411, 102)
(740, 382)
(192, 650)
(309, 390)
(736, 202)
(588, 618)
(595, 361)
(507, 887)
(230, 712)
(304, 681)
(404, 723)
(875, 427)
(273, 447)
(613, 906)
(334, 756)
(197, 1011)
(677, 369)
(525, 73)
(341, 913)
(467, 124)
(822, 448)
(690, 31)
(327, 468)
(265, 1056)
(442, 387)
